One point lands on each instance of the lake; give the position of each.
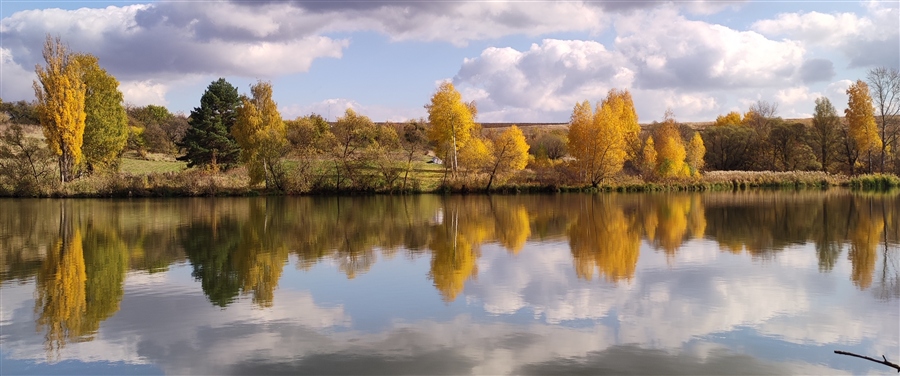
(707, 283)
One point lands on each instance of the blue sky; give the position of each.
(521, 61)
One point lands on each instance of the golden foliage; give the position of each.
(860, 115)
(60, 95)
(732, 118)
(452, 124)
(648, 159)
(509, 153)
(670, 152)
(601, 141)
(260, 132)
(696, 150)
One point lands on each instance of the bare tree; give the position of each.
(885, 86)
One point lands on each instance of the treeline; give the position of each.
(236, 143)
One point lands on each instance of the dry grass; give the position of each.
(772, 179)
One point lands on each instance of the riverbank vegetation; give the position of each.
(79, 139)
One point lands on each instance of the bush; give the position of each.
(26, 166)
(875, 182)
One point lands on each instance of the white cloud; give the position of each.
(869, 40)
(333, 108)
(552, 76)
(16, 80)
(142, 41)
(670, 51)
(142, 93)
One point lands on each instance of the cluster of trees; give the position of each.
(85, 124)
(87, 128)
(603, 140)
(865, 139)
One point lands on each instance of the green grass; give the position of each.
(143, 167)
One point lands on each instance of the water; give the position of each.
(715, 283)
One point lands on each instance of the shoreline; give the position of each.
(206, 184)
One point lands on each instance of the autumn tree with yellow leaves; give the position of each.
(860, 116)
(647, 164)
(452, 124)
(602, 140)
(509, 153)
(260, 132)
(696, 151)
(60, 96)
(670, 151)
(730, 119)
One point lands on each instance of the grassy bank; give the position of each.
(163, 176)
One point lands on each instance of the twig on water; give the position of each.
(885, 361)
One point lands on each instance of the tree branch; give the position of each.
(885, 361)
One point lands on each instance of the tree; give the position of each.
(696, 150)
(25, 165)
(310, 134)
(885, 85)
(648, 159)
(670, 152)
(261, 134)
(413, 139)
(60, 95)
(761, 117)
(155, 129)
(732, 118)
(452, 124)
(509, 153)
(21, 112)
(105, 123)
(791, 150)
(824, 135)
(353, 133)
(860, 115)
(729, 147)
(208, 140)
(601, 141)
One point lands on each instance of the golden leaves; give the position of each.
(60, 95)
(260, 132)
(860, 115)
(452, 124)
(601, 141)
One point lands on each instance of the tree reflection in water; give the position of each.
(240, 246)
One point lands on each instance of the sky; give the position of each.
(520, 61)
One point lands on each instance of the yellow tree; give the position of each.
(648, 159)
(860, 115)
(509, 153)
(105, 123)
(452, 124)
(60, 95)
(600, 141)
(260, 132)
(670, 150)
(732, 118)
(695, 153)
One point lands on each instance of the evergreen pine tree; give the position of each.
(208, 141)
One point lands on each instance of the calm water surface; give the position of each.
(715, 283)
